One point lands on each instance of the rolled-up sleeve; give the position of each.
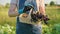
(13, 1)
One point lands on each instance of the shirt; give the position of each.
(35, 3)
(21, 3)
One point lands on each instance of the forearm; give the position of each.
(42, 7)
(42, 10)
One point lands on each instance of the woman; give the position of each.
(24, 28)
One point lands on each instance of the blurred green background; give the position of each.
(8, 24)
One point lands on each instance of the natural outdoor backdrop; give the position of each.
(8, 24)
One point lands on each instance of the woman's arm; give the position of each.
(41, 6)
(12, 10)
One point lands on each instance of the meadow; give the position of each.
(8, 24)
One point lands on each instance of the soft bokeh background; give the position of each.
(8, 24)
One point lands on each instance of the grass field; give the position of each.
(52, 11)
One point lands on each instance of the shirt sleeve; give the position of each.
(13, 1)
